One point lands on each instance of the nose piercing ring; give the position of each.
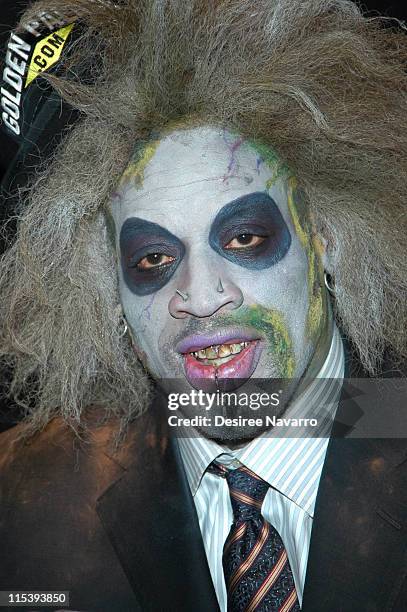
(184, 296)
(219, 288)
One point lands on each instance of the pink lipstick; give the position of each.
(224, 359)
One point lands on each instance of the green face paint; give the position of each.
(145, 150)
(272, 326)
(285, 302)
(312, 246)
(306, 236)
(272, 160)
(142, 155)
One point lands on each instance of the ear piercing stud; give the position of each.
(124, 328)
(329, 283)
(184, 296)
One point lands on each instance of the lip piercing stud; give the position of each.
(184, 296)
(219, 288)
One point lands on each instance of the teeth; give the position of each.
(220, 351)
(211, 352)
(225, 350)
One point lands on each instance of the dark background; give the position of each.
(9, 14)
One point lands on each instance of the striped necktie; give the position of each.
(256, 568)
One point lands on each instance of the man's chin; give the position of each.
(230, 424)
(230, 415)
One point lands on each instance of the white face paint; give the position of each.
(256, 300)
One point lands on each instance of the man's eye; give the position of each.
(243, 241)
(154, 260)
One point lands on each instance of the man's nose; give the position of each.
(203, 293)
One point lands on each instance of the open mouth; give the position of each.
(218, 354)
(226, 365)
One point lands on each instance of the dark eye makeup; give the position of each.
(249, 231)
(257, 218)
(150, 254)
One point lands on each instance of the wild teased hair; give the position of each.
(322, 85)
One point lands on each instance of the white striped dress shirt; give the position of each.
(292, 467)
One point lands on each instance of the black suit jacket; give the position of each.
(118, 529)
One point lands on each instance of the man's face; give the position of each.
(219, 274)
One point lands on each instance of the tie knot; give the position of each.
(247, 491)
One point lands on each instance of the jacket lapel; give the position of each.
(358, 548)
(150, 518)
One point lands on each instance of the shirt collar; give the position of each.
(197, 454)
(280, 461)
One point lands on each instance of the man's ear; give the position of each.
(327, 254)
